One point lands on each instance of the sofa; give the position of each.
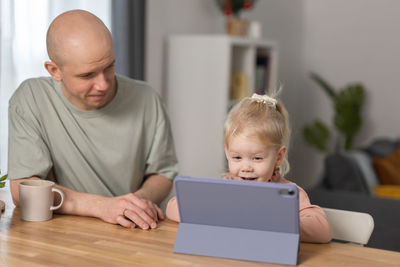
(385, 211)
(350, 182)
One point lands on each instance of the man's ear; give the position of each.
(54, 70)
(281, 155)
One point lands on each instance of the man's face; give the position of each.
(88, 81)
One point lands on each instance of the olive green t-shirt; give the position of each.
(108, 151)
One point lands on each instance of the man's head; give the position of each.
(82, 58)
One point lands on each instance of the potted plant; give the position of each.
(232, 10)
(341, 170)
(347, 105)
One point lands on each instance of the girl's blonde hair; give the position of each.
(261, 117)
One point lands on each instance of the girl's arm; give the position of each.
(172, 210)
(314, 226)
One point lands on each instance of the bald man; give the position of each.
(104, 139)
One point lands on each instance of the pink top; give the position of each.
(314, 226)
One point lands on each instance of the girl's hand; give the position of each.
(230, 176)
(276, 176)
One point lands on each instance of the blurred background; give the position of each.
(343, 41)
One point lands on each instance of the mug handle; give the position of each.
(62, 198)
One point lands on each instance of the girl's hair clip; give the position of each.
(264, 99)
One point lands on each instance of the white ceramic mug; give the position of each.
(36, 199)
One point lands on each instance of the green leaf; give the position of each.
(2, 178)
(347, 104)
(235, 6)
(328, 89)
(317, 135)
(348, 108)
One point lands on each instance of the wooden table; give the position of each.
(81, 241)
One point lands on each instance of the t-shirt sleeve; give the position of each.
(28, 155)
(314, 226)
(162, 158)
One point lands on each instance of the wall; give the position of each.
(283, 21)
(347, 41)
(343, 41)
(175, 17)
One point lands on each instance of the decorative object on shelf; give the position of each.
(254, 30)
(232, 10)
(347, 105)
(239, 87)
(262, 74)
(236, 27)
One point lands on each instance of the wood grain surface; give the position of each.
(82, 241)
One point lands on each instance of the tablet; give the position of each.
(245, 220)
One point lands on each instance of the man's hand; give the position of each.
(130, 211)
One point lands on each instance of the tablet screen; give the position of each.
(239, 204)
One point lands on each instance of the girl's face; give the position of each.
(251, 160)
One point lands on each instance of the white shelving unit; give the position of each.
(199, 74)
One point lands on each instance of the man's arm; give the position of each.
(155, 188)
(75, 203)
(127, 210)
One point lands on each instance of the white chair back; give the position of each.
(350, 226)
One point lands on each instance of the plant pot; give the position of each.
(236, 26)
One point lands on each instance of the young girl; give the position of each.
(256, 139)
